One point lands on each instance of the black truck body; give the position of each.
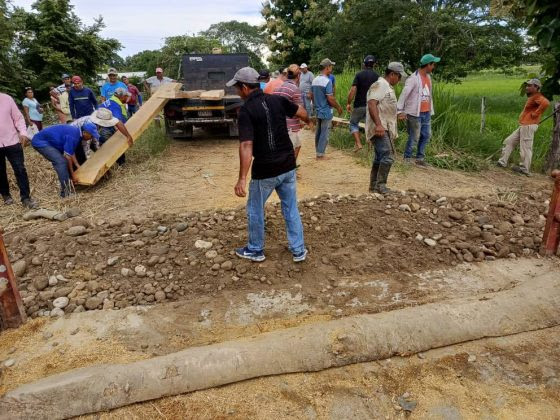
(205, 72)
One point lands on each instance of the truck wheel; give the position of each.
(233, 130)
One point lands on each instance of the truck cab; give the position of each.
(205, 72)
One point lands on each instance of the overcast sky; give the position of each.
(143, 24)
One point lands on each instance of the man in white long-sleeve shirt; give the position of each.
(13, 134)
(416, 106)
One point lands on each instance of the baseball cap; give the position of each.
(303, 66)
(65, 76)
(91, 128)
(122, 92)
(76, 79)
(397, 68)
(429, 58)
(264, 74)
(112, 70)
(326, 62)
(370, 59)
(535, 82)
(244, 75)
(159, 70)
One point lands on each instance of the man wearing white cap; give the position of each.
(153, 83)
(305, 81)
(528, 124)
(111, 85)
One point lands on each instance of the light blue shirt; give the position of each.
(33, 107)
(321, 87)
(108, 89)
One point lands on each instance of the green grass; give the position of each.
(152, 143)
(457, 142)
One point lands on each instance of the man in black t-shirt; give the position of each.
(263, 135)
(360, 86)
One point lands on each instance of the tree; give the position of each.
(52, 41)
(174, 48)
(463, 33)
(239, 37)
(146, 60)
(295, 28)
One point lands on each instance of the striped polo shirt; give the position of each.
(290, 91)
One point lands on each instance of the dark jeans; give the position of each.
(383, 150)
(104, 134)
(59, 164)
(14, 154)
(132, 109)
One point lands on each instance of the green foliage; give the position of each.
(295, 28)
(463, 33)
(48, 41)
(457, 142)
(239, 37)
(147, 60)
(543, 19)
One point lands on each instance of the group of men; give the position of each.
(274, 110)
(84, 125)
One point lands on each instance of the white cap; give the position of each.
(303, 66)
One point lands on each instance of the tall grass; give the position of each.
(457, 142)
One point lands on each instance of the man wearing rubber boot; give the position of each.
(381, 125)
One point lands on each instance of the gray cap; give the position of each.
(535, 82)
(326, 62)
(244, 75)
(122, 92)
(112, 70)
(397, 68)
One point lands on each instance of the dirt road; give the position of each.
(368, 255)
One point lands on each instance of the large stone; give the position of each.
(76, 231)
(40, 283)
(200, 244)
(160, 296)
(93, 303)
(63, 291)
(517, 219)
(113, 260)
(159, 249)
(455, 215)
(61, 302)
(19, 267)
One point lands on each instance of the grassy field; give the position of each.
(457, 141)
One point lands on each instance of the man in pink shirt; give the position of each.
(13, 135)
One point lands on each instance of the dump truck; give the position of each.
(205, 72)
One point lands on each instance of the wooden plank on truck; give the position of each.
(182, 94)
(100, 162)
(213, 95)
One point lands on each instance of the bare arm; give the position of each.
(374, 114)
(122, 128)
(245, 158)
(71, 162)
(333, 103)
(26, 115)
(302, 114)
(351, 96)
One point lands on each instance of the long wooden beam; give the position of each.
(96, 166)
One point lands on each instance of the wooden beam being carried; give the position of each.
(342, 121)
(213, 95)
(96, 166)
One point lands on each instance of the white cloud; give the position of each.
(143, 24)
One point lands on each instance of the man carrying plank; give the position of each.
(117, 105)
(58, 144)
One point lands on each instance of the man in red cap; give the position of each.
(153, 83)
(82, 99)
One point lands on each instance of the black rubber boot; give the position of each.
(373, 177)
(382, 176)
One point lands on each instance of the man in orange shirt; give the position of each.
(276, 83)
(528, 124)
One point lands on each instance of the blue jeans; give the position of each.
(60, 165)
(322, 136)
(358, 115)
(259, 191)
(419, 132)
(307, 104)
(383, 150)
(105, 134)
(132, 109)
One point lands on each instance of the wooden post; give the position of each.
(482, 114)
(551, 236)
(12, 311)
(553, 157)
